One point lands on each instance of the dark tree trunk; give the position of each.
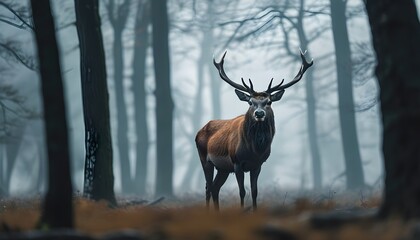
(57, 210)
(141, 44)
(99, 176)
(311, 108)
(352, 159)
(396, 36)
(118, 14)
(164, 103)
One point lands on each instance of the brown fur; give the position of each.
(237, 145)
(221, 137)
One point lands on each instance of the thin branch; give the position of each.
(16, 14)
(17, 56)
(65, 26)
(21, 26)
(286, 41)
(240, 38)
(109, 5)
(123, 10)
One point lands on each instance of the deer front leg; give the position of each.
(239, 173)
(254, 188)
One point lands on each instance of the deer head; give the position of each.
(260, 102)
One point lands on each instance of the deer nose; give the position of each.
(259, 114)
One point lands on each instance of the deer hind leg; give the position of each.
(220, 179)
(208, 168)
(240, 179)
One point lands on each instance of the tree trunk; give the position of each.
(117, 14)
(12, 149)
(311, 108)
(122, 112)
(194, 163)
(396, 35)
(42, 173)
(57, 209)
(164, 103)
(99, 176)
(213, 73)
(141, 44)
(313, 131)
(352, 159)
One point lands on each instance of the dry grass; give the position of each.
(172, 221)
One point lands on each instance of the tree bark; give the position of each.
(141, 44)
(396, 36)
(118, 20)
(99, 176)
(164, 103)
(352, 159)
(57, 208)
(311, 108)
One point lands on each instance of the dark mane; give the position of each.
(259, 135)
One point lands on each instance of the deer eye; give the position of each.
(269, 103)
(250, 102)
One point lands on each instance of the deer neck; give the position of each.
(259, 135)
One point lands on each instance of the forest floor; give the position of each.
(298, 218)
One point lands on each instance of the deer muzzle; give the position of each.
(259, 115)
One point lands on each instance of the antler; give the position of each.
(219, 66)
(305, 65)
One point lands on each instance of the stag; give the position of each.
(241, 144)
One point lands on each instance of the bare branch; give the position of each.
(21, 26)
(18, 56)
(70, 24)
(5, 5)
(109, 5)
(366, 105)
(123, 10)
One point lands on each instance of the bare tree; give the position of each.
(352, 158)
(99, 176)
(14, 114)
(11, 49)
(395, 31)
(141, 44)
(118, 15)
(57, 209)
(164, 103)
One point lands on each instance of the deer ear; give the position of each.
(277, 96)
(242, 96)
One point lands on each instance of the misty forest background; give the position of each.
(328, 125)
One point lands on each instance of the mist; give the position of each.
(262, 42)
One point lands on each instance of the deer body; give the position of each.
(241, 144)
(236, 141)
